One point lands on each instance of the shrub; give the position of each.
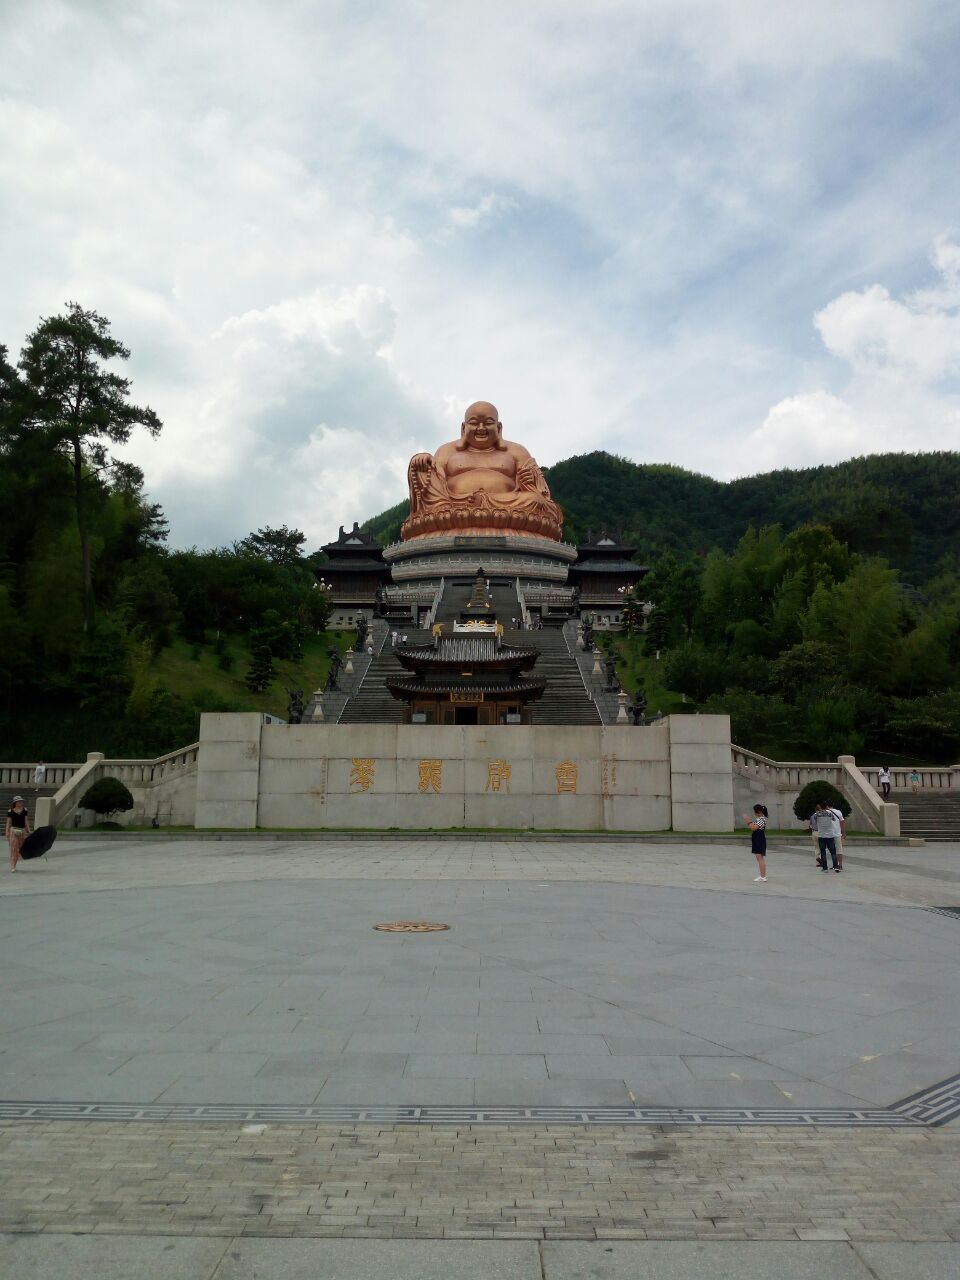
(108, 795)
(819, 792)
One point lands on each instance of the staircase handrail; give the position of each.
(355, 692)
(786, 774)
(153, 770)
(21, 775)
(793, 775)
(884, 814)
(432, 615)
(51, 810)
(522, 602)
(932, 778)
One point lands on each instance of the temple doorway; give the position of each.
(465, 715)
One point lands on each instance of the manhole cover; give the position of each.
(410, 926)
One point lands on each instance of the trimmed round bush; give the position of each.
(819, 792)
(108, 795)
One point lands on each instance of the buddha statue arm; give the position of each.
(426, 481)
(530, 477)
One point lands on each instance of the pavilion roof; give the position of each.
(446, 683)
(478, 652)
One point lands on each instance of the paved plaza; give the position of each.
(201, 997)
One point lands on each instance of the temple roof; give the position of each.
(597, 565)
(351, 564)
(353, 542)
(443, 684)
(479, 652)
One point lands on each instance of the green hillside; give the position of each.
(903, 506)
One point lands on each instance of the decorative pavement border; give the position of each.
(931, 1107)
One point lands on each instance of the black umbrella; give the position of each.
(38, 842)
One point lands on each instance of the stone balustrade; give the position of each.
(777, 783)
(21, 775)
(156, 787)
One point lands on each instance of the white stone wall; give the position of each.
(701, 779)
(615, 778)
(228, 778)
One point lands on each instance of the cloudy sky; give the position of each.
(721, 234)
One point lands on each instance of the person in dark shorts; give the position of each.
(18, 828)
(758, 840)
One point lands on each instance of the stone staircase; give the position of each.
(30, 794)
(931, 815)
(373, 703)
(565, 700)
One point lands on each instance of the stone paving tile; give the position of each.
(432, 1182)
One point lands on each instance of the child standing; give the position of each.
(758, 840)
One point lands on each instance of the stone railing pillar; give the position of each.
(51, 809)
(883, 816)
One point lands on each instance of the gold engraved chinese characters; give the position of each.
(566, 772)
(498, 775)
(361, 775)
(608, 775)
(431, 775)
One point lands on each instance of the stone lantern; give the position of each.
(597, 664)
(622, 717)
(348, 665)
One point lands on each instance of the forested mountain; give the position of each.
(904, 506)
(819, 608)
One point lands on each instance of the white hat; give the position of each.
(16, 798)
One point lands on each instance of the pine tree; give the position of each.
(261, 671)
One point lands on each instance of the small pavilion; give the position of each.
(469, 677)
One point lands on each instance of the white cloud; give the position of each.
(323, 230)
(902, 356)
(487, 208)
(875, 332)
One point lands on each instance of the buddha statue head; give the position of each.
(481, 428)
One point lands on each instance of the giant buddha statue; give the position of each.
(480, 484)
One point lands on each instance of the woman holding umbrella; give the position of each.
(18, 826)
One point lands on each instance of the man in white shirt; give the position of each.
(885, 782)
(40, 774)
(831, 826)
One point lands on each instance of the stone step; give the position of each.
(564, 700)
(930, 815)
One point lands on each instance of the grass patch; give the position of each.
(634, 668)
(192, 672)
